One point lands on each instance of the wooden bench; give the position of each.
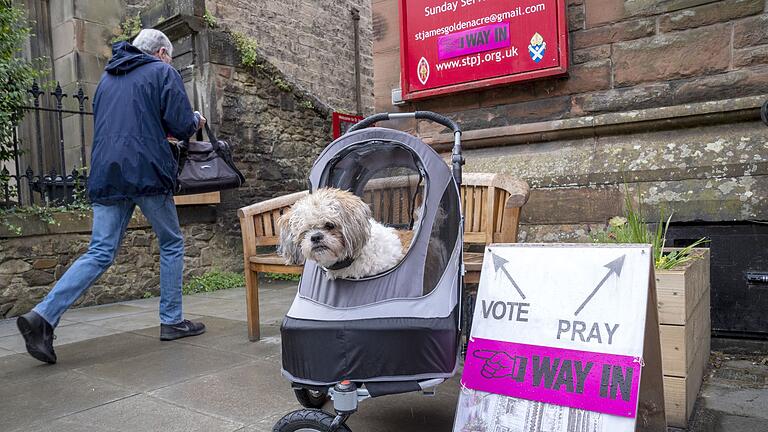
(491, 204)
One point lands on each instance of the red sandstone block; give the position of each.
(591, 54)
(751, 31)
(599, 12)
(752, 56)
(575, 18)
(672, 55)
(623, 31)
(710, 14)
(582, 78)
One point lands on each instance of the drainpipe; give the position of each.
(358, 89)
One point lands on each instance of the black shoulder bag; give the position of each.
(206, 166)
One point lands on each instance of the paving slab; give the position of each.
(227, 294)
(146, 303)
(55, 395)
(66, 334)
(732, 423)
(5, 352)
(139, 321)
(157, 369)
(21, 367)
(100, 312)
(8, 327)
(211, 306)
(749, 402)
(232, 336)
(247, 393)
(140, 413)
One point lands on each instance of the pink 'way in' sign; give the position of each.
(474, 40)
(605, 383)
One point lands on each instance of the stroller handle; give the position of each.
(457, 159)
(428, 115)
(764, 113)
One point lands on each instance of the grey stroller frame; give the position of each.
(396, 332)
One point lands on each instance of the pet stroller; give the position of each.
(398, 331)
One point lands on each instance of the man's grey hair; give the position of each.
(150, 41)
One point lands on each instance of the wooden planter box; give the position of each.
(683, 304)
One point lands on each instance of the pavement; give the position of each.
(114, 374)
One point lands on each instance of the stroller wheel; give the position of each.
(307, 420)
(311, 398)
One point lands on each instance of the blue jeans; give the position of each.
(109, 224)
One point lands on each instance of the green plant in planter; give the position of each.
(633, 228)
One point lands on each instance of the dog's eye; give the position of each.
(329, 226)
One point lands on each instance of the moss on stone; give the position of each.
(209, 19)
(130, 27)
(248, 49)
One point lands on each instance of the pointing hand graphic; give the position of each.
(498, 364)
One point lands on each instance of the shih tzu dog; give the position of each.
(335, 229)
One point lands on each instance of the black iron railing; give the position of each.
(48, 179)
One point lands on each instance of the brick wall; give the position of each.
(660, 94)
(625, 55)
(311, 41)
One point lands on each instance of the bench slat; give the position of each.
(267, 259)
(478, 200)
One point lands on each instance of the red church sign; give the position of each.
(453, 45)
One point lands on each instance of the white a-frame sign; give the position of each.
(565, 338)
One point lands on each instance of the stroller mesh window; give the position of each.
(445, 232)
(395, 196)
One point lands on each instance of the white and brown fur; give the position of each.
(330, 225)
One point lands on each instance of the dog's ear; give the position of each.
(354, 223)
(289, 247)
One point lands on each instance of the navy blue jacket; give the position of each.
(139, 102)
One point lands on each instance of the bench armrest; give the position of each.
(517, 188)
(270, 204)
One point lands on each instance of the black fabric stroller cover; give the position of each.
(401, 326)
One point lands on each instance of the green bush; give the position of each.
(282, 276)
(213, 281)
(16, 76)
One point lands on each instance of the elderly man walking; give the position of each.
(139, 102)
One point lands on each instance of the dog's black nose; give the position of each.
(316, 237)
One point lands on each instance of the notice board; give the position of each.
(450, 46)
(564, 338)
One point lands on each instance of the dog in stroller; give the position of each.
(334, 228)
(377, 310)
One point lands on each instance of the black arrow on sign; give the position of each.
(613, 267)
(498, 263)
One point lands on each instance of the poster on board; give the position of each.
(448, 46)
(564, 338)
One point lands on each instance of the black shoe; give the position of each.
(38, 335)
(180, 330)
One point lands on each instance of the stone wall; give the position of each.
(310, 41)
(30, 263)
(276, 133)
(661, 95)
(624, 56)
